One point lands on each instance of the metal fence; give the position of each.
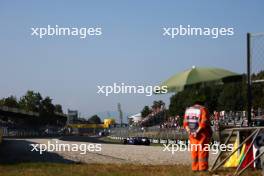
(154, 133)
(150, 132)
(255, 74)
(228, 120)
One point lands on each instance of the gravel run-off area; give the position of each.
(110, 153)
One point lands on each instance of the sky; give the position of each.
(131, 48)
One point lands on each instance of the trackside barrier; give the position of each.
(253, 133)
(150, 132)
(163, 135)
(155, 141)
(22, 134)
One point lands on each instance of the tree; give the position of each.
(145, 111)
(47, 106)
(158, 104)
(94, 119)
(161, 103)
(58, 108)
(258, 91)
(31, 101)
(229, 96)
(232, 97)
(10, 101)
(181, 100)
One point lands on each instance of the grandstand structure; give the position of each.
(18, 122)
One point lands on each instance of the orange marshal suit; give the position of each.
(195, 117)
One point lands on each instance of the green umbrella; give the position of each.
(197, 75)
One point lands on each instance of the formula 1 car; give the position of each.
(136, 141)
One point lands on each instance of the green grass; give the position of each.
(50, 169)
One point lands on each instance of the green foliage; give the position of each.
(33, 101)
(58, 108)
(180, 101)
(158, 104)
(228, 96)
(145, 111)
(47, 106)
(94, 119)
(233, 97)
(10, 101)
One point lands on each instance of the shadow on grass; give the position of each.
(14, 151)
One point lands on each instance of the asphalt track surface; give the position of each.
(19, 151)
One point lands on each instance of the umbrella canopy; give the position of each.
(196, 75)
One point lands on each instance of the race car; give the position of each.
(136, 141)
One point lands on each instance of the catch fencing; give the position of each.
(227, 120)
(149, 132)
(155, 133)
(255, 75)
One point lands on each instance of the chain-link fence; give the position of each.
(256, 74)
(257, 56)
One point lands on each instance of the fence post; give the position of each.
(249, 86)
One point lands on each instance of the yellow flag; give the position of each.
(233, 161)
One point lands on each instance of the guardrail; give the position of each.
(156, 133)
